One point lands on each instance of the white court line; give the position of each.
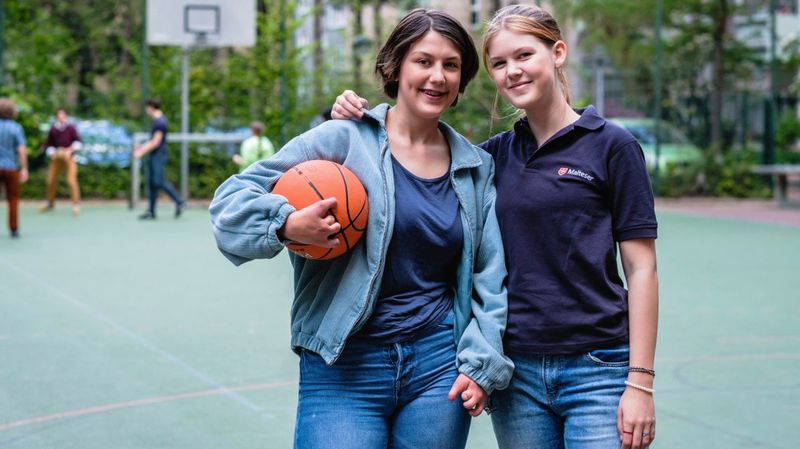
(730, 357)
(137, 338)
(136, 403)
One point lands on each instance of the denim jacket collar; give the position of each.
(463, 153)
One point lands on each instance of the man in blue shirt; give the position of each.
(12, 146)
(156, 163)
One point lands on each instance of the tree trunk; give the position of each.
(85, 80)
(377, 23)
(496, 5)
(318, 54)
(358, 32)
(718, 84)
(258, 95)
(84, 57)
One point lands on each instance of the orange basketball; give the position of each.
(311, 181)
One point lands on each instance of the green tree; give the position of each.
(319, 54)
(696, 37)
(37, 62)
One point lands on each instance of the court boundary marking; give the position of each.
(139, 403)
(177, 361)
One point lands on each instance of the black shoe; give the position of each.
(179, 208)
(14, 234)
(147, 216)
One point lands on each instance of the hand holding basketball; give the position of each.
(331, 209)
(313, 225)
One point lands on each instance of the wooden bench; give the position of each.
(781, 174)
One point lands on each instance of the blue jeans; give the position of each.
(378, 396)
(556, 402)
(156, 181)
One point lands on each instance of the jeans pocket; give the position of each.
(309, 360)
(448, 321)
(616, 356)
(303, 360)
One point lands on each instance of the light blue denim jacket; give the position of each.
(334, 298)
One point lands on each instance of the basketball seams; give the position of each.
(316, 188)
(346, 204)
(309, 182)
(350, 218)
(358, 215)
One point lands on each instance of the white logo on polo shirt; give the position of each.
(571, 171)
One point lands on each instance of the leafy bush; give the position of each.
(680, 181)
(730, 176)
(786, 136)
(96, 181)
(207, 170)
(725, 176)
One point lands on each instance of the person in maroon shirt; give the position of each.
(62, 142)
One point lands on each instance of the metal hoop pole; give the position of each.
(185, 123)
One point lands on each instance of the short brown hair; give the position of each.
(412, 28)
(7, 108)
(257, 128)
(154, 103)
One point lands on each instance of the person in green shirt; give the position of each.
(254, 148)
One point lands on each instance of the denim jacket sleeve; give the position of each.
(245, 216)
(480, 349)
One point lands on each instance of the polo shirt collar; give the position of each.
(589, 119)
(522, 128)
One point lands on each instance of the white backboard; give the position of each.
(216, 23)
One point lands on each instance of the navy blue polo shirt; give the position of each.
(562, 208)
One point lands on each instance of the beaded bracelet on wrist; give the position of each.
(640, 387)
(639, 369)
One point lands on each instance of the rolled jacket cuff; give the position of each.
(488, 378)
(273, 241)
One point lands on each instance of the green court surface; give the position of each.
(116, 333)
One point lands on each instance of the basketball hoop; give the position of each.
(200, 39)
(206, 23)
(200, 21)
